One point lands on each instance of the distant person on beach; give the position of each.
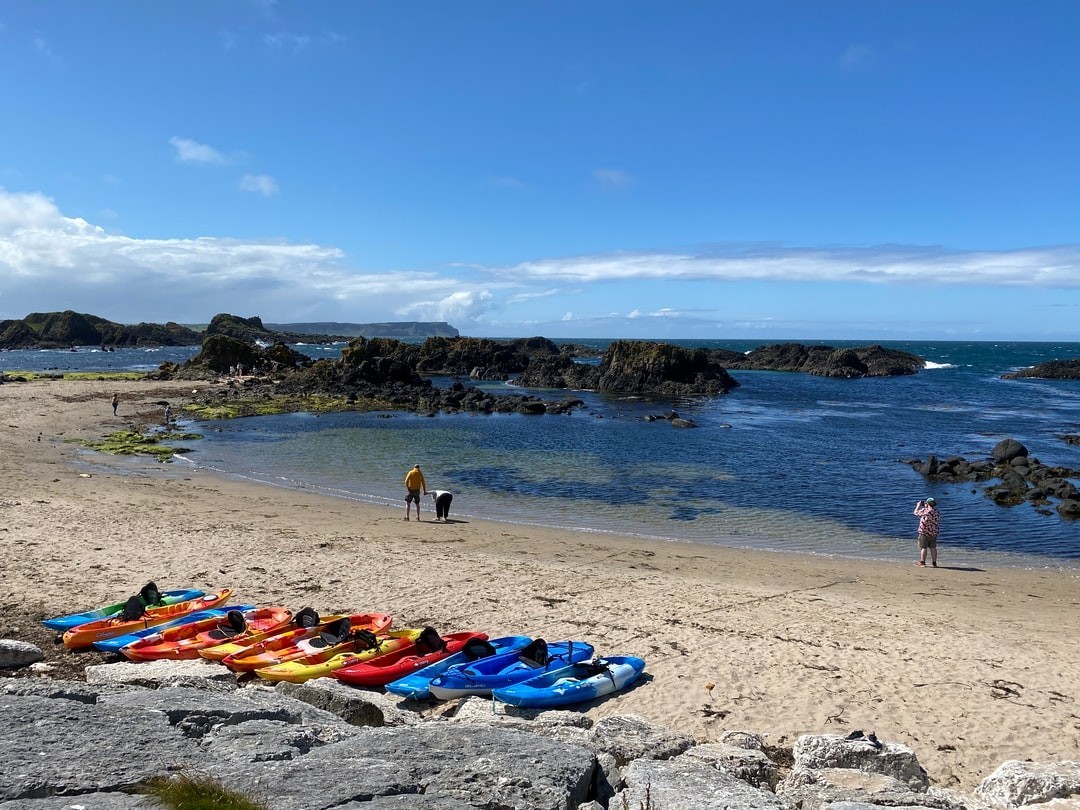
(168, 414)
(929, 526)
(115, 403)
(442, 504)
(414, 482)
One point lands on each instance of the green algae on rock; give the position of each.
(132, 442)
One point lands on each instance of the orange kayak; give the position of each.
(84, 635)
(293, 644)
(347, 653)
(304, 618)
(185, 640)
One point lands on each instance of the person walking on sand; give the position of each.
(442, 504)
(115, 403)
(929, 526)
(414, 482)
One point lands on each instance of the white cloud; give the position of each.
(50, 262)
(189, 151)
(460, 306)
(1051, 266)
(259, 183)
(612, 178)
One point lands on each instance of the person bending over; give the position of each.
(442, 504)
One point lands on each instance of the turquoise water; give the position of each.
(785, 462)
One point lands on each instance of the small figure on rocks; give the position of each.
(115, 403)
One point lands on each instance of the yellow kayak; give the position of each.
(333, 658)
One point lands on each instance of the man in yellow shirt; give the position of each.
(414, 482)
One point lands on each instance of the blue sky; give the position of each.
(854, 169)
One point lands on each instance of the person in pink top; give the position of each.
(929, 526)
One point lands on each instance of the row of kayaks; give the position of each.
(360, 649)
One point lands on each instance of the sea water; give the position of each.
(787, 461)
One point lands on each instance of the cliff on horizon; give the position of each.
(391, 329)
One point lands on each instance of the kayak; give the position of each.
(353, 651)
(84, 635)
(281, 648)
(185, 640)
(303, 618)
(416, 685)
(575, 683)
(429, 648)
(495, 671)
(70, 620)
(114, 644)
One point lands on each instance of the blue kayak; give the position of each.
(575, 683)
(496, 671)
(62, 623)
(417, 685)
(114, 644)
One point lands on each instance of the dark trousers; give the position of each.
(442, 505)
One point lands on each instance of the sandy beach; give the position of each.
(969, 667)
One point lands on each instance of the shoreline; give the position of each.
(957, 556)
(968, 666)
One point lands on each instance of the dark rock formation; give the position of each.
(561, 371)
(1020, 477)
(384, 370)
(482, 358)
(62, 330)
(1051, 370)
(634, 367)
(220, 353)
(251, 330)
(824, 361)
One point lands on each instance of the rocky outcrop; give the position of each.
(251, 330)
(62, 330)
(1020, 477)
(482, 358)
(220, 353)
(824, 361)
(633, 367)
(1051, 370)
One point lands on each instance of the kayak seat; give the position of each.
(535, 654)
(365, 640)
(134, 608)
(151, 596)
(233, 625)
(476, 648)
(590, 668)
(335, 633)
(306, 617)
(429, 641)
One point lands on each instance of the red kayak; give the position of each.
(184, 641)
(284, 647)
(427, 649)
